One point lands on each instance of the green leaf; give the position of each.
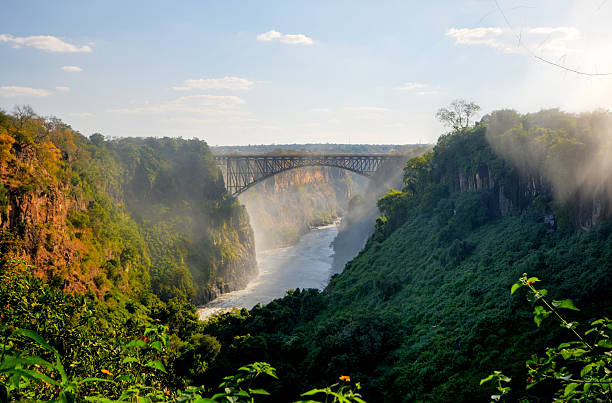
(128, 360)
(13, 361)
(538, 320)
(136, 343)
(487, 379)
(313, 392)
(604, 343)
(60, 367)
(149, 330)
(570, 388)
(532, 279)
(258, 392)
(34, 336)
(66, 397)
(156, 345)
(515, 287)
(539, 314)
(156, 365)
(565, 304)
(26, 373)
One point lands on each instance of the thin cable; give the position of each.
(521, 44)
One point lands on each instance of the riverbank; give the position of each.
(307, 264)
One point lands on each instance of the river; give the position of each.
(306, 264)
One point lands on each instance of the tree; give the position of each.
(457, 115)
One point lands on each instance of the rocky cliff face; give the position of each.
(358, 223)
(287, 205)
(34, 223)
(521, 190)
(38, 219)
(236, 267)
(132, 216)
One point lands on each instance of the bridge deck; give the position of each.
(242, 171)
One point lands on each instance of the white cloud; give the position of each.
(47, 43)
(409, 86)
(320, 110)
(223, 83)
(72, 69)
(290, 39)
(196, 104)
(62, 88)
(547, 41)
(14, 91)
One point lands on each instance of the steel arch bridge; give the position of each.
(240, 172)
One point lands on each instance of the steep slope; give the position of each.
(289, 204)
(131, 215)
(424, 311)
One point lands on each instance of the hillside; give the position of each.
(289, 204)
(133, 216)
(424, 311)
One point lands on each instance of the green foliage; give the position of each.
(571, 151)
(421, 313)
(338, 393)
(4, 201)
(23, 375)
(578, 370)
(500, 380)
(144, 215)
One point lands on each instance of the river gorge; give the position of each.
(306, 264)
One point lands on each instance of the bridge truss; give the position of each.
(242, 172)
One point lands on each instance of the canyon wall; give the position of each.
(127, 216)
(289, 204)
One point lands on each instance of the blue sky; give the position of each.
(252, 72)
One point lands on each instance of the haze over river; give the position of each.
(306, 264)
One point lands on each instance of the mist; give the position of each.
(572, 153)
(358, 223)
(286, 206)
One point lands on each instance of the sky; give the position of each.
(263, 72)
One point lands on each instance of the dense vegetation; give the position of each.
(423, 312)
(132, 215)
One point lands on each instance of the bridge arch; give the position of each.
(241, 172)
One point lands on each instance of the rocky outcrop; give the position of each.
(519, 191)
(358, 223)
(236, 270)
(34, 218)
(289, 204)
